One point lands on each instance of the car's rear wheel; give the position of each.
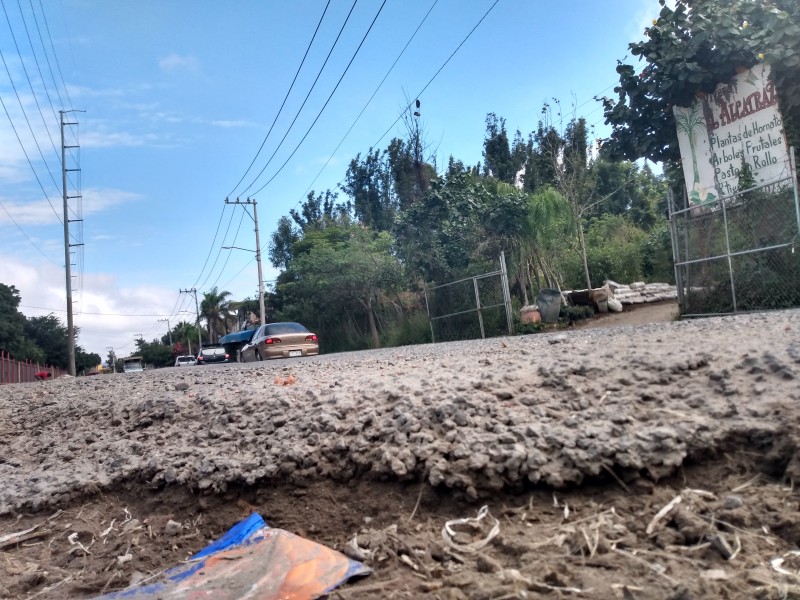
(258, 355)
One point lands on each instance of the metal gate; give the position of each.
(471, 307)
(740, 252)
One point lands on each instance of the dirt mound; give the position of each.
(575, 442)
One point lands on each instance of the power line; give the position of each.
(96, 314)
(25, 70)
(46, 56)
(27, 157)
(435, 75)
(302, 62)
(227, 258)
(363, 39)
(22, 231)
(219, 252)
(335, 150)
(55, 55)
(30, 127)
(341, 29)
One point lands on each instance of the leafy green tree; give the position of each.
(154, 353)
(689, 50)
(85, 361)
(215, 309)
(49, 334)
(281, 242)
(12, 327)
(368, 183)
(185, 333)
(353, 268)
(502, 159)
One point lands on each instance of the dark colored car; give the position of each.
(212, 354)
(281, 340)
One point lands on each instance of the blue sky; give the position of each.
(179, 96)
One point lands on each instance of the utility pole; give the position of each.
(67, 245)
(252, 202)
(169, 331)
(197, 318)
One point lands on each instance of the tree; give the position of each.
(85, 361)
(368, 183)
(50, 335)
(354, 267)
(12, 327)
(185, 333)
(689, 50)
(215, 309)
(154, 353)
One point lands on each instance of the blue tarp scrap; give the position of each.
(252, 560)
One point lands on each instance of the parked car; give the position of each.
(212, 354)
(280, 340)
(185, 361)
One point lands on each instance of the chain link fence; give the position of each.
(470, 308)
(740, 252)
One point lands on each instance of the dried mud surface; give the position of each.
(578, 442)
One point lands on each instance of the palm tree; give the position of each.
(215, 308)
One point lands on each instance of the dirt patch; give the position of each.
(655, 461)
(633, 314)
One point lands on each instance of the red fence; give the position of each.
(15, 371)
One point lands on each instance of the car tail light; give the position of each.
(272, 340)
(227, 356)
(200, 357)
(311, 338)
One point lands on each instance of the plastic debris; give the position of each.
(448, 533)
(253, 560)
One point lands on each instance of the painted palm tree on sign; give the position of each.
(215, 309)
(689, 120)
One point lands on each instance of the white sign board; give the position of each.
(739, 122)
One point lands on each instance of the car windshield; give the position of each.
(279, 328)
(213, 351)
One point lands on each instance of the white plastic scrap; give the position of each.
(777, 563)
(448, 533)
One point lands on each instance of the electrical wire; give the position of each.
(27, 76)
(227, 258)
(319, 114)
(28, 158)
(364, 108)
(297, 73)
(55, 54)
(219, 252)
(232, 279)
(30, 128)
(22, 231)
(299, 110)
(435, 75)
(211, 248)
(47, 57)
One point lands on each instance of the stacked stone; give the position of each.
(641, 292)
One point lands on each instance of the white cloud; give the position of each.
(176, 62)
(99, 139)
(230, 124)
(40, 212)
(105, 312)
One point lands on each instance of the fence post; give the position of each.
(428, 310)
(506, 293)
(478, 306)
